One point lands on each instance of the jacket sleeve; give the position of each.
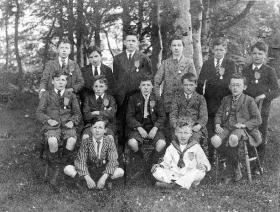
(78, 85)
(203, 113)
(255, 116)
(274, 90)
(173, 116)
(110, 112)
(42, 108)
(219, 114)
(86, 109)
(201, 158)
(201, 79)
(46, 76)
(112, 156)
(76, 112)
(131, 114)
(160, 114)
(159, 78)
(81, 159)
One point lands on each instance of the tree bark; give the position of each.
(18, 58)
(196, 14)
(7, 39)
(47, 42)
(206, 21)
(71, 27)
(156, 37)
(126, 19)
(60, 20)
(79, 30)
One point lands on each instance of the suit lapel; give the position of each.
(104, 147)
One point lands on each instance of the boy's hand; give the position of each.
(90, 182)
(219, 130)
(153, 132)
(196, 128)
(240, 126)
(154, 167)
(69, 124)
(52, 122)
(260, 97)
(95, 113)
(201, 167)
(101, 182)
(142, 132)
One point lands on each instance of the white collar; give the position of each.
(102, 96)
(182, 147)
(258, 66)
(128, 53)
(188, 96)
(94, 139)
(98, 67)
(215, 61)
(60, 60)
(61, 93)
(147, 97)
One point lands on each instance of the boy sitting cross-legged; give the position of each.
(59, 113)
(187, 103)
(145, 119)
(97, 158)
(237, 118)
(184, 162)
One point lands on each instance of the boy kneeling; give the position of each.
(145, 119)
(97, 158)
(184, 162)
(237, 118)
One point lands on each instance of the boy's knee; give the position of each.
(216, 141)
(70, 171)
(133, 144)
(160, 145)
(119, 172)
(53, 144)
(70, 144)
(233, 140)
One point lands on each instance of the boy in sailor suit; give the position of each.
(184, 163)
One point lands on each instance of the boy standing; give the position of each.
(59, 112)
(187, 103)
(238, 118)
(97, 159)
(184, 162)
(262, 85)
(145, 118)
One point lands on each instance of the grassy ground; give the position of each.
(22, 189)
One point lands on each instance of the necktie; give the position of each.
(63, 63)
(98, 147)
(99, 102)
(146, 113)
(218, 65)
(129, 57)
(59, 93)
(95, 71)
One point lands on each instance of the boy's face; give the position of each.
(258, 56)
(64, 49)
(146, 87)
(183, 134)
(219, 51)
(99, 88)
(131, 43)
(177, 47)
(98, 129)
(95, 58)
(60, 82)
(189, 86)
(237, 86)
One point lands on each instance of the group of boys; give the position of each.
(184, 162)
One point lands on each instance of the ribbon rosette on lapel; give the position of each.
(71, 67)
(221, 72)
(137, 64)
(66, 102)
(152, 105)
(227, 111)
(106, 103)
(257, 76)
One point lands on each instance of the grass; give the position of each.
(22, 188)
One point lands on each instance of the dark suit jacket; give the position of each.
(74, 80)
(89, 78)
(50, 108)
(215, 88)
(267, 85)
(135, 111)
(127, 76)
(107, 110)
(247, 113)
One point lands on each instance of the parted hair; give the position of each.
(101, 79)
(58, 74)
(63, 40)
(100, 118)
(260, 45)
(238, 76)
(93, 49)
(219, 41)
(189, 76)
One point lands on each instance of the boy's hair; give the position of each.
(100, 118)
(220, 41)
(184, 121)
(260, 45)
(93, 49)
(177, 37)
(147, 78)
(100, 78)
(63, 40)
(58, 74)
(238, 76)
(132, 33)
(189, 76)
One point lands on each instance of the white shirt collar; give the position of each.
(61, 93)
(60, 61)
(148, 96)
(188, 96)
(182, 147)
(98, 69)
(215, 61)
(102, 96)
(258, 66)
(132, 53)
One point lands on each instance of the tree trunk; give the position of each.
(47, 42)
(140, 20)
(18, 58)
(196, 14)
(183, 26)
(109, 44)
(205, 38)
(156, 37)
(71, 27)
(60, 20)
(7, 39)
(79, 30)
(126, 19)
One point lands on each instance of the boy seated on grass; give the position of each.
(97, 158)
(59, 112)
(237, 118)
(184, 163)
(145, 119)
(187, 103)
(100, 104)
